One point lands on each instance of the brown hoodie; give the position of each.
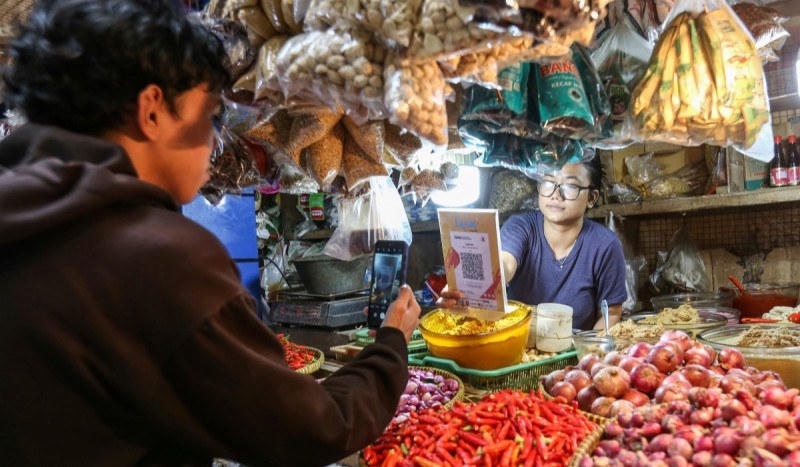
(126, 337)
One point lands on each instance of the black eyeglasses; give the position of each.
(568, 191)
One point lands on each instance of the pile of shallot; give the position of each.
(660, 373)
(424, 389)
(747, 427)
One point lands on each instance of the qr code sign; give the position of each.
(472, 266)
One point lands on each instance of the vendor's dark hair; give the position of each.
(81, 64)
(594, 165)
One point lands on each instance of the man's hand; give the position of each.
(403, 313)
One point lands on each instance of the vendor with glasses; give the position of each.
(555, 255)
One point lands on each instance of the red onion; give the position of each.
(619, 407)
(701, 458)
(702, 417)
(629, 363)
(602, 406)
(797, 421)
(680, 447)
(718, 370)
(711, 352)
(588, 361)
(671, 423)
(732, 408)
(793, 459)
(750, 444)
(697, 357)
(764, 458)
(773, 417)
(747, 426)
(703, 397)
(690, 433)
(551, 379)
(610, 446)
(637, 398)
(644, 377)
(650, 429)
(740, 373)
(677, 461)
(747, 398)
(613, 429)
(677, 337)
(767, 384)
(664, 357)
(730, 358)
(697, 375)
(578, 378)
(597, 367)
(586, 397)
(612, 382)
(723, 460)
(776, 440)
(731, 383)
(704, 443)
(564, 390)
(613, 358)
(660, 443)
(767, 375)
(726, 441)
(779, 398)
(639, 350)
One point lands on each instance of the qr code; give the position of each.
(472, 266)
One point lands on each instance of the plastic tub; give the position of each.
(708, 320)
(762, 297)
(553, 327)
(483, 351)
(696, 300)
(783, 360)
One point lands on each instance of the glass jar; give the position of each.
(553, 327)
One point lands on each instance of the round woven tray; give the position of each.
(313, 365)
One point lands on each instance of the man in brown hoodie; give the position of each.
(126, 337)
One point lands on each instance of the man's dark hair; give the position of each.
(81, 64)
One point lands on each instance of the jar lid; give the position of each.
(556, 310)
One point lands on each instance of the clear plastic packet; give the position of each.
(390, 20)
(634, 265)
(295, 181)
(623, 193)
(273, 132)
(267, 85)
(241, 56)
(642, 169)
(254, 19)
(401, 147)
(676, 102)
(510, 189)
(369, 136)
(335, 67)
(322, 14)
(378, 214)
(482, 66)
(683, 270)
(324, 157)
(309, 127)
(620, 58)
(421, 185)
(233, 168)
(665, 186)
(293, 24)
(357, 167)
(595, 93)
(500, 110)
(244, 87)
(415, 97)
(764, 24)
(272, 9)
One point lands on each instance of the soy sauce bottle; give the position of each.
(778, 170)
(792, 161)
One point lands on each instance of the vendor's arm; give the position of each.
(448, 299)
(614, 316)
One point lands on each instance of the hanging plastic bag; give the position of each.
(634, 265)
(233, 168)
(377, 215)
(683, 270)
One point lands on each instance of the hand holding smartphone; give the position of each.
(388, 274)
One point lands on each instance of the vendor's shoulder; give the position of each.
(599, 232)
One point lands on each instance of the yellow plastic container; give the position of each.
(474, 347)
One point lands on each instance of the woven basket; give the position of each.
(313, 365)
(587, 445)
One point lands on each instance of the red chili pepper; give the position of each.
(446, 456)
(498, 447)
(472, 438)
(426, 463)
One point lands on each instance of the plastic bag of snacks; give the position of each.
(322, 14)
(324, 157)
(357, 167)
(764, 24)
(343, 67)
(415, 97)
(308, 128)
(563, 108)
(482, 66)
(234, 38)
(267, 85)
(392, 21)
(676, 102)
(369, 136)
(254, 20)
(402, 147)
(233, 168)
(378, 214)
(490, 111)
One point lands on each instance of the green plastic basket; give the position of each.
(523, 376)
(416, 346)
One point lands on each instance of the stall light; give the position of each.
(466, 191)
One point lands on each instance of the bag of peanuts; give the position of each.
(415, 97)
(322, 14)
(336, 66)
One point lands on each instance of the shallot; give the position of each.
(639, 350)
(552, 378)
(663, 356)
(644, 377)
(619, 407)
(697, 357)
(778, 397)
(612, 382)
(730, 358)
(586, 398)
(565, 390)
(636, 397)
(677, 337)
(578, 378)
(613, 358)
(703, 397)
(602, 406)
(588, 361)
(680, 447)
(629, 363)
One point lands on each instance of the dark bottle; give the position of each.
(792, 161)
(778, 173)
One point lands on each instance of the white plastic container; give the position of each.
(553, 327)
(532, 332)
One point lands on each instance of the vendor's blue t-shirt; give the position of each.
(593, 271)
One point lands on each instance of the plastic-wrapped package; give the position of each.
(683, 270)
(293, 24)
(369, 136)
(254, 19)
(322, 14)
(392, 21)
(415, 97)
(376, 215)
(246, 83)
(482, 66)
(764, 24)
(510, 189)
(357, 167)
(634, 265)
(621, 59)
(623, 193)
(274, 133)
(445, 29)
(595, 92)
(308, 128)
(233, 168)
(324, 157)
(401, 147)
(563, 105)
(642, 169)
(234, 38)
(267, 85)
(498, 110)
(676, 102)
(295, 181)
(335, 67)
(272, 9)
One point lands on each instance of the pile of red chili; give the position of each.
(505, 428)
(297, 356)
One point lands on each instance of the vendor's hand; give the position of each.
(403, 313)
(448, 299)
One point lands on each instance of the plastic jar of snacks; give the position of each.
(553, 327)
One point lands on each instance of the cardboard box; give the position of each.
(666, 155)
(756, 174)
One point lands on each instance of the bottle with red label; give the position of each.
(792, 161)
(778, 173)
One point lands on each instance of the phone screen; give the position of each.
(388, 274)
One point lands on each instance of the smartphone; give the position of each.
(388, 274)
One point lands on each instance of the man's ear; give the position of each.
(149, 106)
